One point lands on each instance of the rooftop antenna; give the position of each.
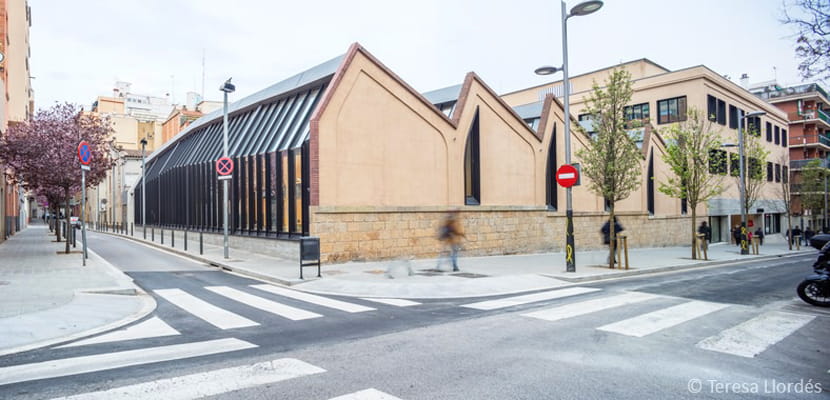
(775, 73)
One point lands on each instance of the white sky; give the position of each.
(80, 48)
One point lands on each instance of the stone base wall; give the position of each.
(359, 234)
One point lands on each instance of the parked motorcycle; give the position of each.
(815, 289)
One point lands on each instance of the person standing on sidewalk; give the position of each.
(606, 236)
(760, 235)
(450, 234)
(704, 230)
(736, 234)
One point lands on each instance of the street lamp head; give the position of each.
(585, 8)
(228, 87)
(143, 142)
(547, 70)
(728, 145)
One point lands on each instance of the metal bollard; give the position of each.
(201, 245)
(162, 236)
(172, 238)
(132, 229)
(185, 240)
(153, 234)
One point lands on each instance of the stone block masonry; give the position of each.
(370, 233)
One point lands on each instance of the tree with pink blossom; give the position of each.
(42, 153)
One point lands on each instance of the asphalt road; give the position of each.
(611, 339)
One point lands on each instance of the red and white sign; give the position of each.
(224, 166)
(567, 175)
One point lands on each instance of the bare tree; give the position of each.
(693, 156)
(811, 20)
(755, 157)
(612, 162)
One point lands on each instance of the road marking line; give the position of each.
(752, 337)
(656, 321)
(310, 298)
(529, 298)
(106, 361)
(368, 394)
(273, 307)
(216, 316)
(208, 383)
(589, 306)
(393, 302)
(151, 328)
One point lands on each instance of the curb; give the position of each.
(222, 266)
(148, 305)
(623, 274)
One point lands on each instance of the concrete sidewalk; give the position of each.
(47, 296)
(479, 276)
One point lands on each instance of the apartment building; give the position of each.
(17, 103)
(662, 97)
(808, 111)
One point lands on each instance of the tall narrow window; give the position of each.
(285, 192)
(734, 165)
(783, 137)
(733, 117)
(721, 112)
(298, 191)
(769, 171)
(650, 185)
(552, 199)
(785, 174)
(769, 132)
(712, 108)
(472, 167)
(777, 135)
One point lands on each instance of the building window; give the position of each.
(769, 132)
(778, 172)
(552, 194)
(769, 171)
(671, 110)
(650, 184)
(637, 111)
(753, 126)
(734, 165)
(733, 117)
(777, 135)
(755, 168)
(586, 121)
(785, 174)
(533, 123)
(717, 162)
(716, 109)
(472, 167)
(783, 137)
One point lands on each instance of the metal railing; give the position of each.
(800, 164)
(810, 139)
(790, 91)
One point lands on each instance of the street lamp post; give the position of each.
(143, 190)
(580, 9)
(226, 88)
(742, 172)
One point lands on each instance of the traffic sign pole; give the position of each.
(84, 156)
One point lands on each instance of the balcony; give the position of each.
(801, 164)
(807, 140)
(809, 115)
(771, 94)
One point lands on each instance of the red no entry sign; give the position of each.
(567, 175)
(224, 166)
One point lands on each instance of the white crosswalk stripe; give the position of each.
(529, 298)
(656, 321)
(107, 361)
(215, 316)
(292, 313)
(392, 302)
(151, 328)
(368, 394)
(590, 306)
(752, 337)
(314, 299)
(209, 383)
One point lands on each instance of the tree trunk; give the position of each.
(68, 225)
(694, 234)
(57, 223)
(612, 234)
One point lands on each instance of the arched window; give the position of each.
(472, 166)
(551, 195)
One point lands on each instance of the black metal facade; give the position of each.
(269, 190)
